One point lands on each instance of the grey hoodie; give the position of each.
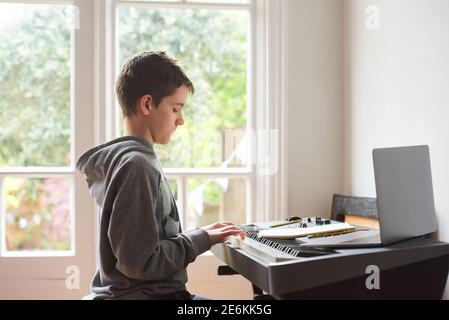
(143, 252)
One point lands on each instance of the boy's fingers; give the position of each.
(232, 233)
(231, 226)
(218, 225)
(231, 229)
(225, 223)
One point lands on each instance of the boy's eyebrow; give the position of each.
(179, 104)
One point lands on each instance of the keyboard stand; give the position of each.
(413, 269)
(258, 293)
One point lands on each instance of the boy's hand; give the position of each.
(217, 225)
(219, 232)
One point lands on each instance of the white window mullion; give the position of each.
(252, 101)
(84, 124)
(260, 76)
(207, 172)
(184, 5)
(277, 100)
(41, 1)
(282, 110)
(101, 75)
(35, 171)
(112, 128)
(271, 107)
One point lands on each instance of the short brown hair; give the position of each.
(153, 73)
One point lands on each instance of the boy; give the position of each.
(143, 251)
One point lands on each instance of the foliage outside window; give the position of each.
(35, 124)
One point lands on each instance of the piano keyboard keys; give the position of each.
(275, 251)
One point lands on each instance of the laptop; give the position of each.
(405, 201)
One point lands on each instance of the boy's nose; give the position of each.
(180, 121)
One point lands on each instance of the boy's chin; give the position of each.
(164, 142)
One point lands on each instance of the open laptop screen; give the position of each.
(404, 193)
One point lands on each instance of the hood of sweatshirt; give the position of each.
(98, 164)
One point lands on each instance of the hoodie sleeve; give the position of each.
(133, 229)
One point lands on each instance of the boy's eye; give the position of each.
(174, 110)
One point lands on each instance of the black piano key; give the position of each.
(284, 246)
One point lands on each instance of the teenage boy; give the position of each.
(143, 252)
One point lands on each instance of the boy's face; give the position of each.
(164, 119)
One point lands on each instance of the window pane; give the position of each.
(35, 58)
(212, 45)
(212, 200)
(36, 214)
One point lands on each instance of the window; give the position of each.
(234, 51)
(42, 211)
(36, 128)
(212, 41)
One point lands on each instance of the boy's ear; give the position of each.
(145, 105)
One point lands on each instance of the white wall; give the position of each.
(315, 106)
(396, 90)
